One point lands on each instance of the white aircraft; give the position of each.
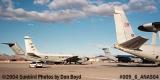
(108, 55)
(33, 54)
(128, 42)
(122, 58)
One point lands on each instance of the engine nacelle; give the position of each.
(150, 27)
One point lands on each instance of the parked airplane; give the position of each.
(120, 58)
(33, 54)
(108, 55)
(128, 42)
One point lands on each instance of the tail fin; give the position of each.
(15, 47)
(108, 54)
(123, 28)
(30, 47)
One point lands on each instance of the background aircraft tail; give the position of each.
(15, 47)
(109, 55)
(123, 28)
(30, 47)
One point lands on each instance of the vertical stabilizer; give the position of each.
(30, 47)
(123, 28)
(108, 54)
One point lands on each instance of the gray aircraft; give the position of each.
(34, 55)
(128, 42)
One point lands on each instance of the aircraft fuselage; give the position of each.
(148, 52)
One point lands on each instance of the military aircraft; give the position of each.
(108, 55)
(128, 42)
(33, 54)
(121, 58)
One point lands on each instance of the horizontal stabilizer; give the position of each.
(33, 55)
(9, 44)
(16, 48)
(134, 43)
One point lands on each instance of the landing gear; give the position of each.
(158, 64)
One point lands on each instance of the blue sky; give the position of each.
(80, 27)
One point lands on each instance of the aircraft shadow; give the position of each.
(133, 65)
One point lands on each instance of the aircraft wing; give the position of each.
(134, 43)
(33, 55)
(72, 59)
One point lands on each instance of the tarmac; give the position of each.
(96, 71)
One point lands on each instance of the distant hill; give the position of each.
(5, 57)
